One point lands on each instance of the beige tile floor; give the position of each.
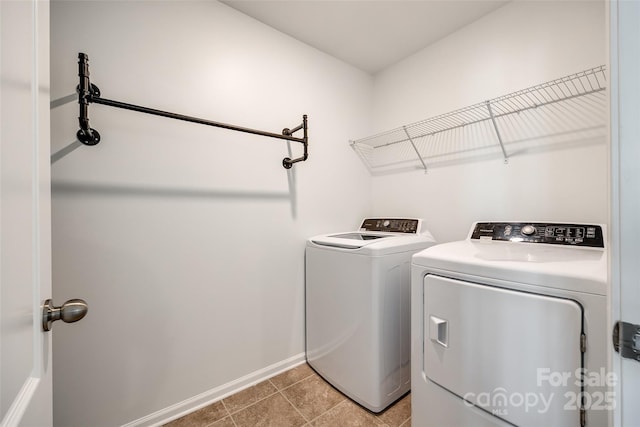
(298, 397)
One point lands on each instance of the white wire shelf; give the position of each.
(559, 109)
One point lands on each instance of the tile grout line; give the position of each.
(277, 390)
(228, 414)
(333, 407)
(344, 397)
(294, 407)
(384, 423)
(254, 403)
(309, 421)
(297, 382)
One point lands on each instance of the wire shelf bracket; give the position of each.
(89, 93)
(495, 126)
(413, 145)
(385, 149)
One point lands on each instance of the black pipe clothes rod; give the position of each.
(89, 93)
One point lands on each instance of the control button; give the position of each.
(386, 223)
(507, 230)
(528, 230)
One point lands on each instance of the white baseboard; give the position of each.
(194, 403)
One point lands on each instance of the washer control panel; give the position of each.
(541, 232)
(391, 225)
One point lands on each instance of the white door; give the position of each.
(25, 242)
(625, 130)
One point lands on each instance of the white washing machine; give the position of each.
(509, 328)
(358, 324)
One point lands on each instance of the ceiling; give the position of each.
(369, 34)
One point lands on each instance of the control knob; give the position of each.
(528, 230)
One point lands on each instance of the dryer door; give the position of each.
(514, 354)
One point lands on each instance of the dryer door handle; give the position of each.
(439, 331)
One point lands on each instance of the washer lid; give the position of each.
(379, 236)
(375, 244)
(361, 236)
(351, 240)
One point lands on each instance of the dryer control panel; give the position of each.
(391, 225)
(540, 232)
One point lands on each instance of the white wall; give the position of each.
(187, 241)
(520, 45)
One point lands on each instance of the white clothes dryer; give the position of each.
(358, 324)
(509, 328)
